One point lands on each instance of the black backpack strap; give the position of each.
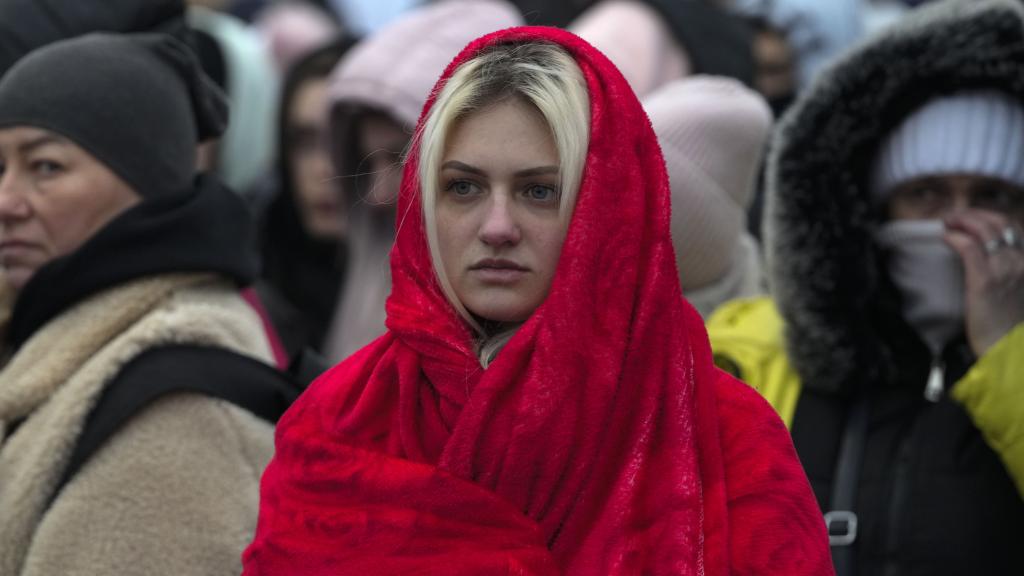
(157, 372)
(841, 520)
(307, 366)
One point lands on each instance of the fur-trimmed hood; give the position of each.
(822, 262)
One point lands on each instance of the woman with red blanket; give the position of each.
(544, 400)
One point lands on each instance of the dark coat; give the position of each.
(934, 498)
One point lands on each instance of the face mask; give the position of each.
(930, 277)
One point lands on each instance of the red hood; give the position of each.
(575, 450)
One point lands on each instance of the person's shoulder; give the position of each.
(740, 405)
(174, 390)
(755, 318)
(775, 523)
(748, 342)
(753, 436)
(355, 381)
(184, 460)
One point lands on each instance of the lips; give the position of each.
(498, 271)
(18, 254)
(13, 245)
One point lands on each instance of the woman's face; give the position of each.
(499, 230)
(381, 142)
(314, 183)
(53, 197)
(937, 197)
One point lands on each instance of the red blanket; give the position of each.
(579, 450)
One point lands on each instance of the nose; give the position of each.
(321, 163)
(13, 205)
(960, 200)
(499, 226)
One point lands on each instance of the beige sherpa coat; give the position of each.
(173, 492)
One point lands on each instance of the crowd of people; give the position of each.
(485, 286)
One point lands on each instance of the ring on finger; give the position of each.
(993, 245)
(1011, 237)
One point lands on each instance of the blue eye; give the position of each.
(461, 188)
(541, 193)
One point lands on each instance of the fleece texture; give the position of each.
(823, 266)
(174, 491)
(595, 443)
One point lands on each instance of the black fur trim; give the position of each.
(822, 263)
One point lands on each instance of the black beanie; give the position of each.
(28, 24)
(139, 103)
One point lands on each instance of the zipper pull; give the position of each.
(936, 382)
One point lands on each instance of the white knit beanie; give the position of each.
(712, 133)
(978, 132)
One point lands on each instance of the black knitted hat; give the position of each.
(139, 103)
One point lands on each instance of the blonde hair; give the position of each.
(538, 73)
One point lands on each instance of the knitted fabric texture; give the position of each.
(110, 93)
(713, 133)
(978, 132)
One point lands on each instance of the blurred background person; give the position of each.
(294, 28)
(120, 272)
(895, 342)
(366, 17)
(376, 96)
(815, 32)
(713, 132)
(792, 41)
(237, 58)
(29, 24)
(656, 41)
(302, 237)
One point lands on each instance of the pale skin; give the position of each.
(312, 171)
(382, 141)
(976, 210)
(499, 229)
(53, 197)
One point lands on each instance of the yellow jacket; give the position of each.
(747, 340)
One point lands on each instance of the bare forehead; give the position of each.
(508, 123)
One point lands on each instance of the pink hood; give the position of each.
(394, 70)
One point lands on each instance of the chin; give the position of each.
(325, 231)
(507, 314)
(16, 278)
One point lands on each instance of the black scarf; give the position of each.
(206, 229)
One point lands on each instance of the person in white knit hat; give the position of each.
(893, 341)
(713, 132)
(950, 179)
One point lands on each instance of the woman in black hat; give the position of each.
(121, 271)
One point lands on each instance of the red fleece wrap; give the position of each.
(577, 451)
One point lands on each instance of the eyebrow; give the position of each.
(538, 171)
(38, 142)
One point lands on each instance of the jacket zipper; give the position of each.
(936, 381)
(933, 392)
